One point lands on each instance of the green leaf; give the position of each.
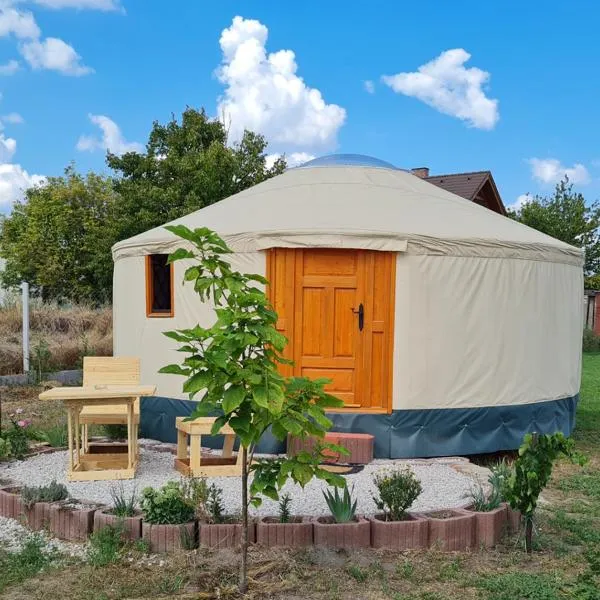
(217, 425)
(197, 382)
(232, 398)
(175, 370)
(179, 254)
(259, 394)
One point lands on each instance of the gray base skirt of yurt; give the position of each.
(403, 433)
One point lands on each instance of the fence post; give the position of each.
(25, 300)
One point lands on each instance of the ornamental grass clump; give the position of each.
(398, 489)
(123, 504)
(498, 480)
(167, 505)
(342, 508)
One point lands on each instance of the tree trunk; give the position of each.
(528, 534)
(243, 584)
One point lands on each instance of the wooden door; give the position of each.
(317, 294)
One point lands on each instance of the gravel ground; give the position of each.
(443, 487)
(13, 535)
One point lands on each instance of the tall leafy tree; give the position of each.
(187, 165)
(566, 216)
(58, 238)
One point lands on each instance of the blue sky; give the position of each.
(455, 86)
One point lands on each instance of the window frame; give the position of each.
(150, 291)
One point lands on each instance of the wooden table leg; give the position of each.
(182, 450)
(228, 445)
(130, 440)
(76, 428)
(70, 437)
(195, 453)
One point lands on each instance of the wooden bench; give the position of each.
(193, 463)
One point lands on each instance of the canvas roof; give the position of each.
(373, 206)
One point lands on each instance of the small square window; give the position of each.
(159, 286)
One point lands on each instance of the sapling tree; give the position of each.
(233, 367)
(532, 471)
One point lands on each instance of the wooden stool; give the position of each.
(196, 465)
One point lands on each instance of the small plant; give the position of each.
(285, 503)
(398, 489)
(40, 359)
(342, 508)
(53, 492)
(532, 471)
(56, 436)
(214, 504)
(123, 504)
(166, 506)
(195, 491)
(500, 479)
(106, 546)
(16, 436)
(359, 574)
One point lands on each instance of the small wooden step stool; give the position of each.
(359, 446)
(193, 464)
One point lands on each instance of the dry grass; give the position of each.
(60, 336)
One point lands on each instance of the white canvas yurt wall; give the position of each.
(488, 312)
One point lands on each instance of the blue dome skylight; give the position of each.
(348, 160)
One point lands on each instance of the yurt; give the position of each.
(446, 328)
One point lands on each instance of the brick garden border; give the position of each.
(463, 529)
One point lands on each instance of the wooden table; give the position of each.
(84, 466)
(196, 465)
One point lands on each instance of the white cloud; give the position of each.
(550, 170)
(293, 160)
(369, 86)
(520, 202)
(13, 118)
(112, 139)
(9, 68)
(55, 55)
(448, 86)
(263, 93)
(14, 180)
(8, 147)
(81, 4)
(19, 23)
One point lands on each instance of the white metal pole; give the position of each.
(25, 294)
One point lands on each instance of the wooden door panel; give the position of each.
(316, 293)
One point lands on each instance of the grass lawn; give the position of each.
(566, 563)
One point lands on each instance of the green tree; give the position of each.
(234, 363)
(566, 216)
(187, 166)
(58, 238)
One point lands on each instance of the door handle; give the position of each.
(361, 316)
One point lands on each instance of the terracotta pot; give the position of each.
(38, 516)
(329, 534)
(452, 529)
(132, 526)
(489, 526)
(10, 502)
(224, 535)
(298, 533)
(399, 535)
(170, 538)
(70, 522)
(514, 520)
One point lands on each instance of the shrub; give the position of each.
(342, 508)
(53, 492)
(591, 341)
(398, 489)
(166, 506)
(195, 491)
(285, 503)
(214, 504)
(16, 436)
(123, 505)
(115, 432)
